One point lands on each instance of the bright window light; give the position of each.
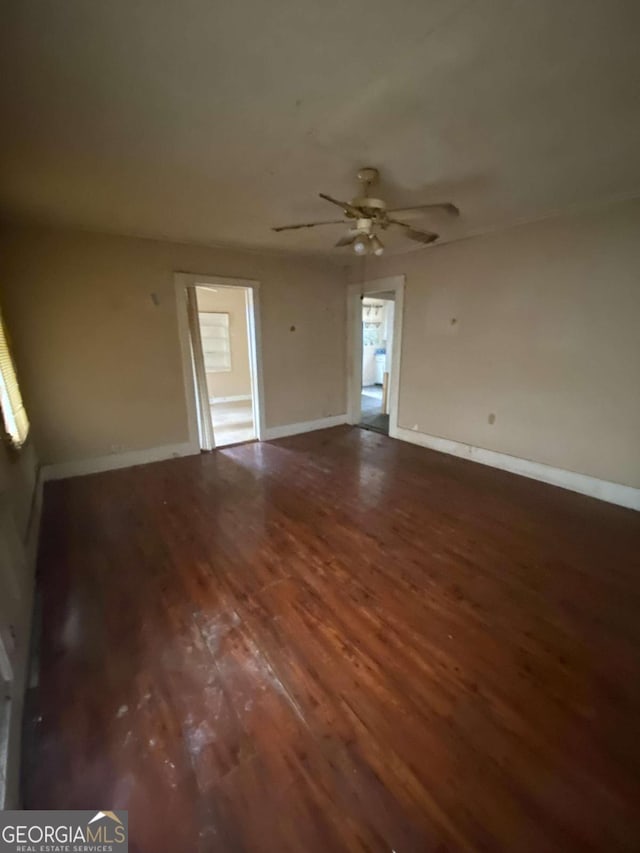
(16, 422)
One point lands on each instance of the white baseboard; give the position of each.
(614, 493)
(236, 399)
(304, 426)
(79, 467)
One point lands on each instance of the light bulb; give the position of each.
(361, 245)
(376, 246)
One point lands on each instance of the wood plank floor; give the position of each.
(339, 642)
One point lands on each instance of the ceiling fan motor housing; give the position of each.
(374, 206)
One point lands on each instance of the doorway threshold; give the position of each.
(376, 423)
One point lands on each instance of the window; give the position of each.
(16, 422)
(216, 347)
(371, 334)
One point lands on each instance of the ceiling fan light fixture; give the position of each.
(361, 245)
(376, 246)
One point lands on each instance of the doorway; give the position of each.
(224, 335)
(219, 323)
(374, 311)
(377, 349)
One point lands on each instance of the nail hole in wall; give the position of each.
(492, 418)
(454, 320)
(155, 299)
(292, 328)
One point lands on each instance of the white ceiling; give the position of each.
(212, 121)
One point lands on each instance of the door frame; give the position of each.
(396, 284)
(202, 438)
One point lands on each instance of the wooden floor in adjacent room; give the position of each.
(334, 642)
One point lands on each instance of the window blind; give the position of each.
(16, 422)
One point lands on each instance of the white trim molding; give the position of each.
(80, 467)
(304, 426)
(604, 490)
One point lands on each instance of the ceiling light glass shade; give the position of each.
(376, 246)
(361, 244)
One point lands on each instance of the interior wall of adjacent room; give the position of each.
(372, 312)
(235, 382)
(100, 361)
(539, 326)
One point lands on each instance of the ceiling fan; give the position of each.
(367, 216)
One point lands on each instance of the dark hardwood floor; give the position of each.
(339, 642)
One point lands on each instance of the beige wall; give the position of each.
(538, 325)
(100, 362)
(18, 471)
(232, 301)
(546, 338)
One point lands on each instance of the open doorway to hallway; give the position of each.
(377, 349)
(374, 409)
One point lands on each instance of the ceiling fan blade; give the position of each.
(347, 240)
(446, 206)
(348, 208)
(425, 237)
(308, 225)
